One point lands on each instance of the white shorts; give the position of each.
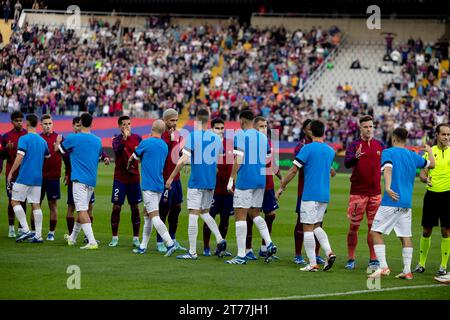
(249, 198)
(199, 199)
(312, 212)
(82, 194)
(388, 218)
(151, 200)
(22, 192)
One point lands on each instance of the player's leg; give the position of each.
(146, 233)
(430, 219)
(269, 206)
(174, 212)
(225, 218)
(117, 199)
(18, 196)
(298, 236)
(82, 194)
(356, 207)
(136, 223)
(11, 214)
(215, 208)
(403, 231)
(207, 197)
(249, 254)
(53, 191)
(34, 200)
(321, 236)
(194, 200)
(445, 248)
(371, 210)
(70, 220)
(164, 207)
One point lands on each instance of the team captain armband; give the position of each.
(299, 163)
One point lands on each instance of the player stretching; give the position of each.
(153, 153)
(9, 152)
(364, 156)
(85, 150)
(399, 165)
(31, 151)
(269, 204)
(170, 205)
(251, 149)
(202, 149)
(51, 173)
(222, 200)
(316, 158)
(438, 192)
(126, 182)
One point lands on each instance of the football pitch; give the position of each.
(39, 271)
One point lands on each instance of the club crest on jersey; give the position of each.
(378, 152)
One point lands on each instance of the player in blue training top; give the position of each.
(85, 150)
(153, 153)
(316, 159)
(31, 150)
(251, 149)
(202, 149)
(399, 165)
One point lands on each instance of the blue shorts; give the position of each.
(51, 187)
(269, 202)
(222, 204)
(174, 195)
(70, 194)
(131, 191)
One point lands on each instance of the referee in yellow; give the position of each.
(438, 193)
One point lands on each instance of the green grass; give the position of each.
(30, 271)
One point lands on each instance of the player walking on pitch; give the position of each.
(316, 159)
(438, 193)
(399, 165)
(153, 153)
(364, 157)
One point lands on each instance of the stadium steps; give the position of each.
(5, 30)
(370, 55)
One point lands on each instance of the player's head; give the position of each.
(47, 123)
(124, 123)
(260, 124)
(366, 127)
(246, 119)
(17, 120)
(399, 136)
(202, 116)
(86, 120)
(443, 134)
(317, 128)
(158, 128)
(218, 126)
(306, 129)
(170, 117)
(32, 121)
(76, 124)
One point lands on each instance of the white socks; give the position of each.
(212, 225)
(38, 223)
(407, 254)
(322, 237)
(76, 230)
(162, 230)
(192, 233)
(11, 228)
(87, 229)
(20, 215)
(261, 224)
(241, 235)
(310, 247)
(146, 232)
(380, 251)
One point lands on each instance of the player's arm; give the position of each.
(431, 161)
(278, 174)
(289, 176)
(104, 157)
(16, 164)
(185, 158)
(387, 173)
(423, 175)
(352, 155)
(238, 160)
(332, 172)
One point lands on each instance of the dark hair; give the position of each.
(121, 118)
(438, 128)
(86, 120)
(317, 128)
(304, 125)
(45, 117)
(216, 121)
(258, 119)
(76, 120)
(401, 134)
(15, 115)
(32, 120)
(202, 115)
(365, 119)
(247, 114)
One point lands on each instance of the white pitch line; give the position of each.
(323, 295)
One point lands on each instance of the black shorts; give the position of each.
(436, 209)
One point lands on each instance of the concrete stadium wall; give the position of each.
(428, 30)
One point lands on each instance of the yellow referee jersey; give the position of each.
(440, 175)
